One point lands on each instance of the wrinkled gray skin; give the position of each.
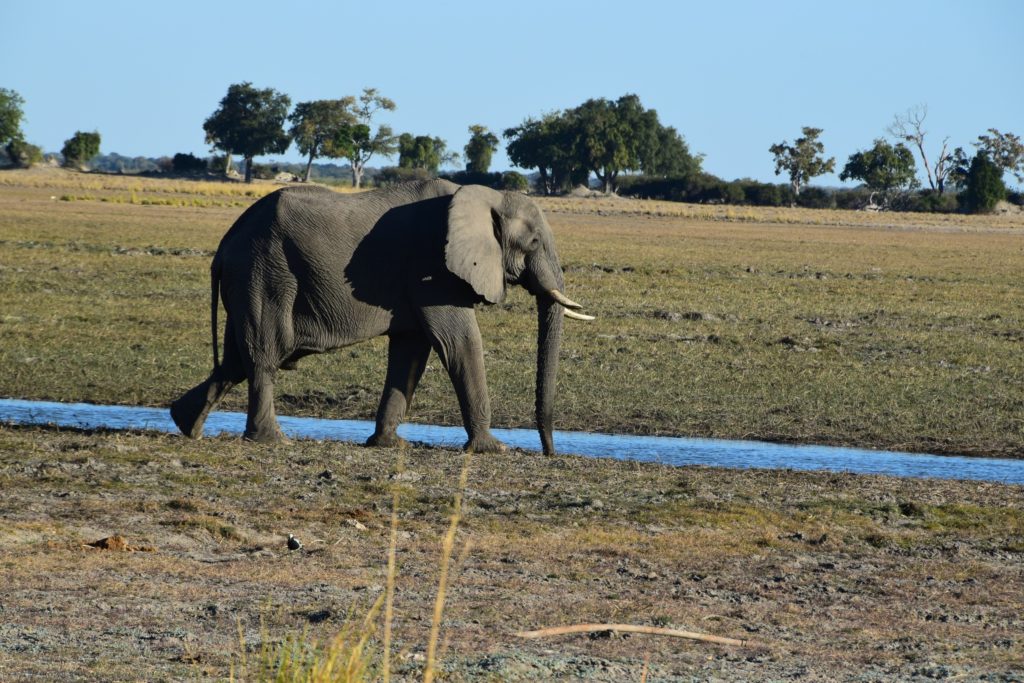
(306, 270)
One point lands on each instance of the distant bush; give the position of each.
(494, 180)
(985, 186)
(187, 163)
(393, 175)
(514, 182)
(927, 201)
(1015, 197)
(816, 198)
(80, 148)
(23, 154)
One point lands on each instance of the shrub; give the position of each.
(23, 154)
(928, 201)
(187, 163)
(985, 186)
(473, 178)
(80, 147)
(393, 175)
(764, 194)
(815, 198)
(514, 182)
(855, 199)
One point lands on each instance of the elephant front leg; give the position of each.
(456, 338)
(407, 358)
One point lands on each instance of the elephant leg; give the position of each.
(407, 358)
(261, 421)
(191, 410)
(455, 335)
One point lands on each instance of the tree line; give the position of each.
(619, 142)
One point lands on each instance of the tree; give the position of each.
(605, 142)
(481, 146)
(423, 152)
(547, 144)
(23, 154)
(355, 141)
(315, 123)
(250, 122)
(985, 186)
(10, 116)
(883, 168)
(1004, 150)
(802, 160)
(79, 148)
(19, 152)
(909, 127)
(669, 156)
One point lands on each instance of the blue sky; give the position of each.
(732, 77)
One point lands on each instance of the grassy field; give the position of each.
(880, 330)
(867, 329)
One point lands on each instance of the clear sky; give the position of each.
(732, 77)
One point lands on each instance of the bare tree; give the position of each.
(909, 127)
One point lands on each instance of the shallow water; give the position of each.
(668, 450)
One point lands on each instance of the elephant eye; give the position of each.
(534, 244)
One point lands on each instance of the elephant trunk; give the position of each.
(549, 336)
(544, 274)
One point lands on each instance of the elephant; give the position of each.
(307, 270)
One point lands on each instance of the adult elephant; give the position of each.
(306, 270)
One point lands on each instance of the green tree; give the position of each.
(984, 186)
(547, 144)
(315, 123)
(884, 168)
(10, 116)
(249, 121)
(1005, 150)
(357, 142)
(668, 155)
(79, 148)
(605, 143)
(23, 154)
(423, 152)
(802, 160)
(480, 148)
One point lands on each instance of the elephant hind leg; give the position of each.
(407, 358)
(261, 422)
(191, 410)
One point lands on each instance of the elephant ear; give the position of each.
(473, 251)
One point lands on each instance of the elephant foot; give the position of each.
(485, 443)
(266, 436)
(186, 418)
(387, 440)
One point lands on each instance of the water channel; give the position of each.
(668, 450)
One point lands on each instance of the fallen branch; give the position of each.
(628, 628)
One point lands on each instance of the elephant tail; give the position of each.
(215, 271)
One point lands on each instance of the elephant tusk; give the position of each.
(563, 299)
(576, 316)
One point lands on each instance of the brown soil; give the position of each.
(827, 576)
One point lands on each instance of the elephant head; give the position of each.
(497, 239)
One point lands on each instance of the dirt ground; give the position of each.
(828, 577)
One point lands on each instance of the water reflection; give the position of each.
(669, 450)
